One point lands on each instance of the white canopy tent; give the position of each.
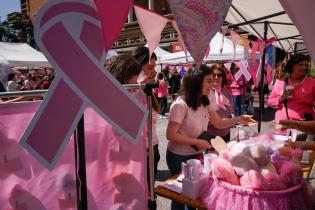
(257, 12)
(215, 46)
(22, 55)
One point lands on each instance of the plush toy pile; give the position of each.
(258, 167)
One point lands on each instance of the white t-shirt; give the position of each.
(193, 123)
(12, 86)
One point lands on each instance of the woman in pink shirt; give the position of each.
(237, 89)
(297, 91)
(162, 93)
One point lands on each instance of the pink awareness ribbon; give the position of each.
(81, 81)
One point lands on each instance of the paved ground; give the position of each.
(163, 173)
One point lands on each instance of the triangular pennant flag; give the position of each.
(113, 15)
(151, 25)
(180, 39)
(224, 30)
(235, 39)
(268, 74)
(302, 14)
(198, 22)
(207, 53)
(245, 43)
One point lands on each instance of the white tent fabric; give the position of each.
(253, 9)
(22, 55)
(159, 52)
(215, 45)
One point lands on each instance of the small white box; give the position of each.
(192, 189)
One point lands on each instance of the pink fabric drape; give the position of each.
(116, 168)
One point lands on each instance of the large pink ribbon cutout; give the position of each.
(70, 35)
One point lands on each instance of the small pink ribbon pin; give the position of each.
(70, 35)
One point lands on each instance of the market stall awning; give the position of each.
(23, 55)
(280, 25)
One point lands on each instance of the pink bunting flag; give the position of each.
(235, 39)
(268, 74)
(198, 22)
(69, 34)
(113, 15)
(180, 39)
(207, 53)
(303, 16)
(224, 30)
(254, 66)
(228, 65)
(151, 25)
(245, 43)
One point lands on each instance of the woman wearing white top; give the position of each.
(189, 117)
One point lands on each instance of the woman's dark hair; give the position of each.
(224, 78)
(160, 76)
(191, 90)
(141, 54)
(295, 59)
(11, 76)
(123, 67)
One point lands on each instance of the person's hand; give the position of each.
(247, 120)
(287, 94)
(303, 145)
(202, 144)
(290, 124)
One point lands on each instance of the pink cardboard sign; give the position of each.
(69, 33)
(198, 22)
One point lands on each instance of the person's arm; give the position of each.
(173, 134)
(276, 97)
(305, 126)
(303, 145)
(219, 122)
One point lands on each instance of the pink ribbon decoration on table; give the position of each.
(198, 22)
(243, 70)
(302, 15)
(180, 39)
(69, 34)
(151, 25)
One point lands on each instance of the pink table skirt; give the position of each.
(221, 195)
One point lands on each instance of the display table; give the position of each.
(197, 203)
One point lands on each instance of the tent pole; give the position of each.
(262, 79)
(79, 148)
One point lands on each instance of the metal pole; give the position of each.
(81, 171)
(262, 79)
(148, 91)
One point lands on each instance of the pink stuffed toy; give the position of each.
(222, 169)
(290, 173)
(254, 180)
(242, 164)
(274, 182)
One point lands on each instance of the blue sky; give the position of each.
(8, 6)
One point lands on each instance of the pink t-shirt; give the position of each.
(302, 101)
(162, 91)
(192, 124)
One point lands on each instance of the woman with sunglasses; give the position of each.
(221, 101)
